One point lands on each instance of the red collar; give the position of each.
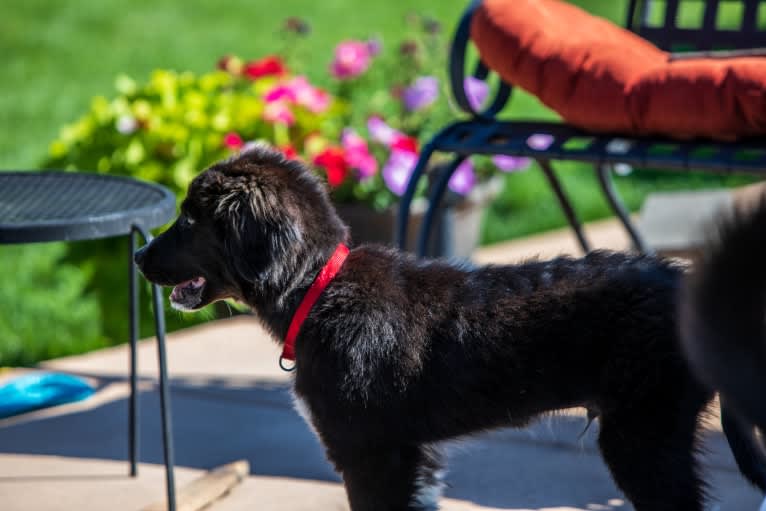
(325, 276)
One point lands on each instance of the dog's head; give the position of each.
(253, 225)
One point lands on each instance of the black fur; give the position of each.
(723, 330)
(399, 354)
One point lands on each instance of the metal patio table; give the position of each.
(68, 206)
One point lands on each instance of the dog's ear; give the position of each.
(260, 233)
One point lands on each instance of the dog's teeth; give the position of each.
(198, 282)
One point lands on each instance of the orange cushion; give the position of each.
(604, 78)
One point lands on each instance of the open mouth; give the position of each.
(187, 295)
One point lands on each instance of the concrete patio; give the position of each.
(231, 401)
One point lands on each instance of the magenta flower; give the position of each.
(421, 94)
(352, 58)
(510, 163)
(278, 112)
(381, 132)
(398, 169)
(358, 155)
(233, 141)
(464, 178)
(281, 92)
(477, 91)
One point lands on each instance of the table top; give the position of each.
(55, 205)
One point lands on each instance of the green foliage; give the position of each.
(47, 311)
(173, 126)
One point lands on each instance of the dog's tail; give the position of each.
(723, 305)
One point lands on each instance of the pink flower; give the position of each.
(299, 91)
(313, 98)
(233, 141)
(381, 132)
(352, 58)
(398, 169)
(278, 112)
(358, 155)
(463, 179)
(393, 139)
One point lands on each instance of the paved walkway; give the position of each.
(231, 401)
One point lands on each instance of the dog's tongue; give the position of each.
(189, 284)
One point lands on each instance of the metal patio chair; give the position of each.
(484, 133)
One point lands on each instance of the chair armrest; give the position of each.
(457, 76)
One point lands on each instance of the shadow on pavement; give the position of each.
(216, 421)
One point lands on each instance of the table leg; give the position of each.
(167, 438)
(134, 325)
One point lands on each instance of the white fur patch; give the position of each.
(180, 306)
(303, 410)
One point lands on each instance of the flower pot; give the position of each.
(456, 227)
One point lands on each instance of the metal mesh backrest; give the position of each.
(700, 25)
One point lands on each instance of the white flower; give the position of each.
(126, 124)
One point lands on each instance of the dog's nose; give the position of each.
(140, 255)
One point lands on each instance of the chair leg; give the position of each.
(403, 218)
(603, 171)
(167, 438)
(434, 200)
(133, 443)
(566, 206)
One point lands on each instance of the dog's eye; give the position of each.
(186, 221)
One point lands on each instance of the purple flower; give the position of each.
(374, 46)
(463, 179)
(477, 91)
(381, 132)
(398, 169)
(420, 94)
(510, 163)
(540, 141)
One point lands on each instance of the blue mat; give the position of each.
(41, 390)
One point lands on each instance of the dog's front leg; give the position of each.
(403, 478)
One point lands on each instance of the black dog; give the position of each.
(398, 354)
(722, 323)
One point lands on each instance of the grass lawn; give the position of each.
(57, 55)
